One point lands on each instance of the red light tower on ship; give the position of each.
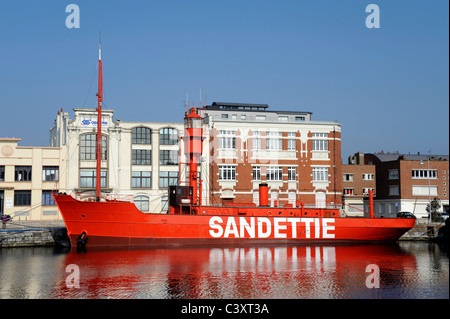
(193, 146)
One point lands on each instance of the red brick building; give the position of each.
(247, 144)
(357, 179)
(407, 182)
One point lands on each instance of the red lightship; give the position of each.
(105, 222)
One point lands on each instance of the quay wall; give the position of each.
(26, 238)
(422, 232)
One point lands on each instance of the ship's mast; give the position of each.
(99, 123)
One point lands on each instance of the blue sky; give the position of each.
(388, 87)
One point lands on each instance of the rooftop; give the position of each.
(225, 106)
(410, 157)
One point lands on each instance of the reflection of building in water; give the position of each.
(272, 259)
(299, 268)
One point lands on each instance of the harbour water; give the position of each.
(407, 270)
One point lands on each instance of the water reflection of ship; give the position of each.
(257, 272)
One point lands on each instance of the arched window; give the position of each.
(142, 203)
(168, 136)
(141, 135)
(88, 147)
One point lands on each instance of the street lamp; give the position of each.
(429, 186)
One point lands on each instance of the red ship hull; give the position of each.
(114, 223)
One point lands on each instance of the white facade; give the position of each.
(140, 161)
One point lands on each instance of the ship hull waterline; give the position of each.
(122, 224)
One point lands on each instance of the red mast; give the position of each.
(99, 123)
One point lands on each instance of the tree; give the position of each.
(435, 206)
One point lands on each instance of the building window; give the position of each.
(199, 173)
(393, 174)
(22, 198)
(291, 141)
(291, 173)
(164, 203)
(274, 198)
(393, 190)
(424, 173)
(22, 173)
(167, 179)
(168, 157)
(88, 147)
(2, 173)
(141, 135)
(260, 117)
(47, 199)
(299, 118)
(348, 178)
(319, 142)
(141, 179)
(282, 118)
(292, 197)
(425, 191)
(227, 140)
(256, 173)
(348, 191)
(88, 178)
(274, 141)
(50, 173)
(366, 190)
(368, 177)
(256, 197)
(168, 136)
(227, 173)
(141, 157)
(320, 173)
(243, 117)
(224, 116)
(274, 173)
(256, 140)
(142, 203)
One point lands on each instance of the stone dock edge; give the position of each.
(33, 237)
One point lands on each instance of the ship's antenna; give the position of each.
(99, 121)
(187, 103)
